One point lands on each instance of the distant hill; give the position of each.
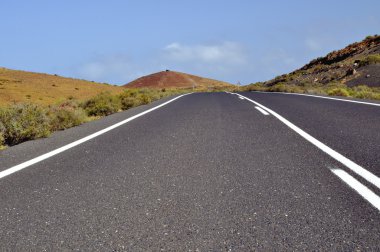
(22, 86)
(172, 79)
(357, 64)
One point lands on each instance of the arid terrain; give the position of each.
(351, 71)
(21, 86)
(172, 79)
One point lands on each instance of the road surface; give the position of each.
(207, 171)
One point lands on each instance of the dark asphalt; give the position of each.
(351, 129)
(207, 172)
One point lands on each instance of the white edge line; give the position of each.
(261, 110)
(24, 165)
(366, 193)
(322, 97)
(372, 178)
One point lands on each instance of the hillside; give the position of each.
(356, 65)
(172, 79)
(22, 86)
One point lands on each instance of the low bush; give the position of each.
(373, 59)
(338, 92)
(2, 138)
(24, 122)
(258, 86)
(280, 87)
(130, 93)
(365, 92)
(66, 115)
(370, 59)
(128, 102)
(145, 98)
(134, 97)
(102, 105)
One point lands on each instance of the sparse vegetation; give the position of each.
(128, 102)
(338, 92)
(55, 89)
(36, 104)
(145, 99)
(2, 138)
(102, 105)
(333, 89)
(365, 92)
(370, 59)
(22, 122)
(66, 115)
(349, 72)
(135, 97)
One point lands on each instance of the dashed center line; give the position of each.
(352, 182)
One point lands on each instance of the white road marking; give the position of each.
(241, 97)
(372, 178)
(33, 161)
(366, 193)
(261, 110)
(323, 97)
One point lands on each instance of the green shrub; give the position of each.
(155, 96)
(373, 59)
(258, 86)
(135, 97)
(66, 115)
(130, 92)
(128, 102)
(102, 105)
(365, 92)
(145, 99)
(280, 87)
(370, 59)
(2, 138)
(24, 122)
(338, 92)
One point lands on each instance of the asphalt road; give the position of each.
(205, 172)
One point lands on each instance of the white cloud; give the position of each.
(278, 57)
(225, 53)
(313, 44)
(322, 43)
(110, 68)
(219, 60)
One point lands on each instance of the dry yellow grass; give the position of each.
(21, 86)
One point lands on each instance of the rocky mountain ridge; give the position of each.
(356, 64)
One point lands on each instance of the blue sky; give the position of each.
(237, 41)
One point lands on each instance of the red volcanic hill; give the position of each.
(171, 79)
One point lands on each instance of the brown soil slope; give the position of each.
(21, 86)
(171, 79)
(356, 64)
